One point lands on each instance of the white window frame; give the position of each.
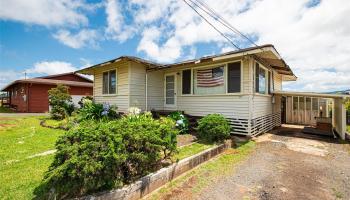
(116, 82)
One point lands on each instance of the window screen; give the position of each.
(257, 67)
(112, 82)
(105, 83)
(234, 77)
(186, 81)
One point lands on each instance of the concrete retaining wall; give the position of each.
(155, 180)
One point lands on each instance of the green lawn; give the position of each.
(21, 138)
(348, 127)
(191, 150)
(5, 110)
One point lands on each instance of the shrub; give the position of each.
(96, 111)
(182, 122)
(88, 158)
(213, 128)
(60, 102)
(81, 102)
(98, 156)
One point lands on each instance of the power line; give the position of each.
(211, 25)
(220, 19)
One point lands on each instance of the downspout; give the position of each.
(146, 90)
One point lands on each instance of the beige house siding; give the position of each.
(277, 81)
(262, 105)
(155, 90)
(137, 85)
(243, 108)
(121, 99)
(230, 105)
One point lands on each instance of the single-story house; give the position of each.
(244, 85)
(31, 95)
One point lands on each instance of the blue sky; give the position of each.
(46, 37)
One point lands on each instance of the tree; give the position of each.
(347, 105)
(60, 102)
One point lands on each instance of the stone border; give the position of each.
(153, 181)
(42, 123)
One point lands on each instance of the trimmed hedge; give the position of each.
(213, 128)
(97, 156)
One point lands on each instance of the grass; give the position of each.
(348, 128)
(191, 150)
(202, 176)
(5, 110)
(21, 138)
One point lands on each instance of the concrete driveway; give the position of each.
(288, 165)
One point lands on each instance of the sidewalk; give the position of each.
(23, 114)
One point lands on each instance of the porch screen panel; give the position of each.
(308, 118)
(302, 110)
(186, 81)
(295, 109)
(234, 77)
(105, 83)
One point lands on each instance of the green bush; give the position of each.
(96, 111)
(213, 128)
(96, 156)
(181, 120)
(60, 102)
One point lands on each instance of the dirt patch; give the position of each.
(186, 139)
(7, 125)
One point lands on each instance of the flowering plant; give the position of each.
(181, 120)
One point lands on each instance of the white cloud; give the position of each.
(7, 76)
(116, 28)
(51, 67)
(312, 39)
(45, 12)
(84, 38)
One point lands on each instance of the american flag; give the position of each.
(210, 77)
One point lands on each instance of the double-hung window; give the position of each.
(109, 81)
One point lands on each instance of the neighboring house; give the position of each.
(31, 95)
(242, 85)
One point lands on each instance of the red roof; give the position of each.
(49, 82)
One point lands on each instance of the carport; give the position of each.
(308, 108)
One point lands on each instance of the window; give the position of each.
(109, 81)
(186, 81)
(234, 77)
(209, 81)
(260, 79)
